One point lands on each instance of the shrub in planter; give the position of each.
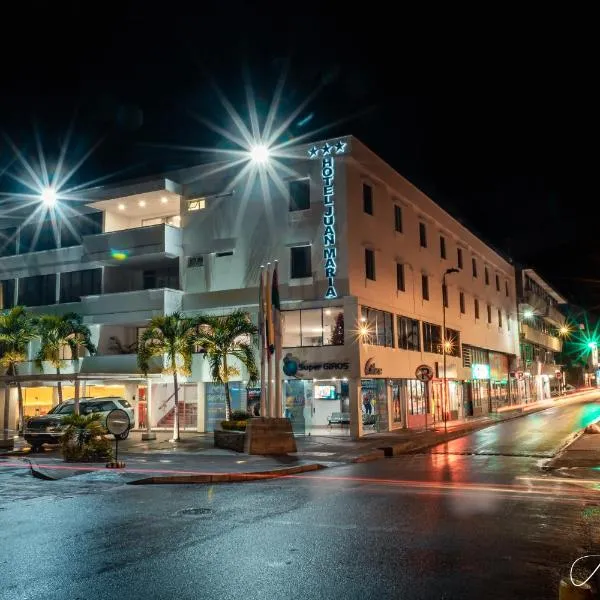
(239, 415)
(238, 425)
(85, 439)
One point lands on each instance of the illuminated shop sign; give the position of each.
(480, 371)
(326, 153)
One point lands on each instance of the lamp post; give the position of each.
(445, 380)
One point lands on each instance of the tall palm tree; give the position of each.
(17, 329)
(58, 332)
(224, 337)
(173, 337)
(77, 336)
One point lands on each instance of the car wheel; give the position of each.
(123, 436)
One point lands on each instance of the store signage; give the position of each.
(326, 153)
(424, 373)
(371, 368)
(293, 365)
(480, 371)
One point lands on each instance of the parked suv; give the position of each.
(48, 429)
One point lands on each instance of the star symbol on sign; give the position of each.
(340, 146)
(312, 152)
(326, 149)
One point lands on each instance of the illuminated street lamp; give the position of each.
(259, 154)
(445, 345)
(48, 196)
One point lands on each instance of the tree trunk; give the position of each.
(21, 408)
(176, 419)
(227, 394)
(76, 383)
(59, 389)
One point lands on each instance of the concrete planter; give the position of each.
(230, 440)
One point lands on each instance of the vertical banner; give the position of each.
(276, 308)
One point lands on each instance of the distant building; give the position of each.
(540, 321)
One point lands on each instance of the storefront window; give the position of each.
(432, 338)
(313, 327)
(409, 334)
(374, 405)
(215, 401)
(380, 327)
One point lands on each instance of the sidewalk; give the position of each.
(194, 459)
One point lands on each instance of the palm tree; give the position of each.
(58, 332)
(228, 336)
(174, 337)
(17, 329)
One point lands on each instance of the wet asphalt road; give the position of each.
(475, 518)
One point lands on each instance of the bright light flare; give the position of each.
(49, 196)
(564, 330)
(259, 154)
(528, 314)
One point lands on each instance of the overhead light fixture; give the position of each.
(48, 196)
(164, 199)
(121, 207)
(259, 154)
(142, 203)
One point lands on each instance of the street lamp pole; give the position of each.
(444, 341)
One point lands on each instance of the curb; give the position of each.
(228, 477)
(409, 447)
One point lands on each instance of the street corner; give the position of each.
(175, 477)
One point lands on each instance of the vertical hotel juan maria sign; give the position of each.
(327, 154)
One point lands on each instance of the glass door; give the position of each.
(298, 405)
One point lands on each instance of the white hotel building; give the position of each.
(361, 254)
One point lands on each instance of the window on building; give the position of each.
(497, 282)
(7, 293)
(370, 264)
(409, 335)
(445, 295)
(461, 301)
(196, 204)
(425, 287)
(313, 327)
(489, 313)
(499, 318)
(506, 290)
(400, 284)
(35, 237)
(300, 262)
(476, 308)
(486, 275)
(474, 265)
(398, 218)
(38, 290)
(379, 325)
(423, 235)
(452, 342)
(432, 338)
(75, 284)
(367, 199)
(508, 321)
(165, 277)
(299, 194)
(224, 254)
(459, 258)
(442, 247)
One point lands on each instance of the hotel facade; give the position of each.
(361, 256)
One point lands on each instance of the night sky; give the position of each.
(497, 127)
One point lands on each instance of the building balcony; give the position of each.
(130, 307)
(529, 334)
(538, 305)
(134, 246)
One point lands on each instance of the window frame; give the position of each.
(422, 234)
(367, 196)
(400, 277)
(398, 219)
(370, 273)
(443, 254)
(292, 205)
(425, 287)
(310, 272)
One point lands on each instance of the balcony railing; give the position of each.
(534, 336)
(128, 244)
